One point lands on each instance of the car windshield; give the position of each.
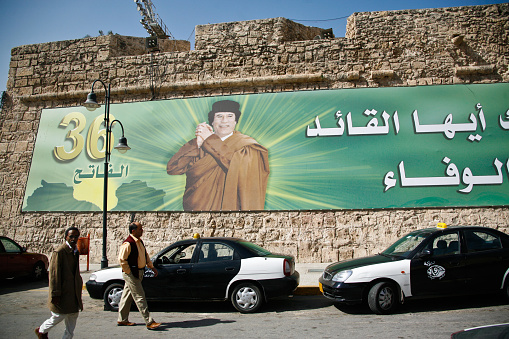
(255, 248)
(405, 245)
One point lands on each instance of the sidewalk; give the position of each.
(309, 274)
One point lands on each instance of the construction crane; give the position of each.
(151, 20)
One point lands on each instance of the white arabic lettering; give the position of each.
(452, 177)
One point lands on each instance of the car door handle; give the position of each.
(229, 268)
(181, 271)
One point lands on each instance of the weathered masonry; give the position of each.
(461, 45)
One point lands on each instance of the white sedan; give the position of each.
(207, 269)
(431, 262)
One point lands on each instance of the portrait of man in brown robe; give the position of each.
(225, 169)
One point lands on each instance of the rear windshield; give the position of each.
(260, 251)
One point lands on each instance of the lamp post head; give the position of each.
(91, 103)
(122, 145)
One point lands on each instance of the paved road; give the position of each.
(22, 308)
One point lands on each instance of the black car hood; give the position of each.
(354, 263)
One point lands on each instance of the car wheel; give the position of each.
(247, 298)
(112, 296)
(38, 271)
(383, 298)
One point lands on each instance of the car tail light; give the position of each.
(287, 267)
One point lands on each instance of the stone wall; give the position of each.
(253, 33)
(467, 44)
(397, 48)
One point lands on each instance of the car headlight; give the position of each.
(92, 277)
(341, 276)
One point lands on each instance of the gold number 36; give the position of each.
(95, 132)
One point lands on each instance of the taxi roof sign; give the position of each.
(196, 236)
(441, 225)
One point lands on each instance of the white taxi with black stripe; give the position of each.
(207, 269)
(432, 262)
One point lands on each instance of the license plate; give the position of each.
(320, 287)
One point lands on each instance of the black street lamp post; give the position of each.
(91, 104)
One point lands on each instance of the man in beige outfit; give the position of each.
(133, 258)
(225, 169)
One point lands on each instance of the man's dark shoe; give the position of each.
(125, 323)
(41, 335)
(153, 326)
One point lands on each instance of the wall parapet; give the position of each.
(252, 33)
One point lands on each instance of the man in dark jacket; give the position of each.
(65, 287)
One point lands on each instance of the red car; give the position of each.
(15, 261)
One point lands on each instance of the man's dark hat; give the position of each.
(225, 106)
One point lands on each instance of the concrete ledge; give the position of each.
(182, 86)
(470, 70)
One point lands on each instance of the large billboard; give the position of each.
(399, 147)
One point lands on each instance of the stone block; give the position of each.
(24, 71)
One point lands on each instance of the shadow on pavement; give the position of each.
(297, 303)
(281, 304)
(434, 304)
(194, 323)
(21, 284)
(453, 303)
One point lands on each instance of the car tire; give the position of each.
(112, 295)
(383, 298)
(247, 298)
(38, 271)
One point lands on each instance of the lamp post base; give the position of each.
(104, 262)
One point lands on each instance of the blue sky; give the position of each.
(24, 22)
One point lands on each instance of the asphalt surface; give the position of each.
(23, 308)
